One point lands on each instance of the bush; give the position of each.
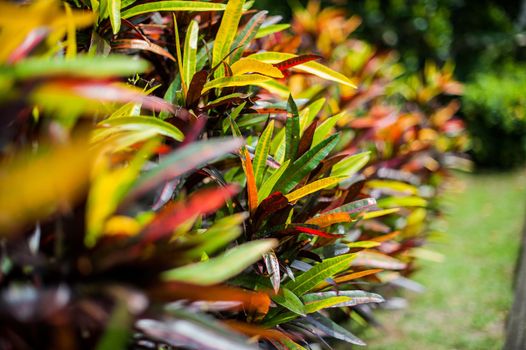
(186, 174)
(494, 106)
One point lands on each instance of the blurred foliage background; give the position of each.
(486, 40)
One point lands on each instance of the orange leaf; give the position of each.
(326, 220)
(251, 182)
(254, 331)
(169, 291)
(351, 276)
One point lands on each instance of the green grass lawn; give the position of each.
(469, 294)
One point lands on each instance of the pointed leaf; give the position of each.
(354, 207)
(328, 219)
(252, 190)
(292, 131)
(190, 51)
(290, 301)
(375, 214)
(249, 65)
(223, 267)
(226, 34)
(313, 187)
(328, 268)
(272, 265)
(312, 305)
(294, 61)
(262, 150)
(114, 9)
(309, 67)
(355, 297)
(140, 123)
(244, 38)
(351, 165)
(271, 29)
(325, 128)
(238, 80)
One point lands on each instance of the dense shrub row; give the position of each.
(187, 174)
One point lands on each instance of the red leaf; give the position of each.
(174, 214)
(291, 62)
(311, 231)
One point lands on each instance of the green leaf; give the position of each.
(269, 184)
(290, 301)
(351, 165)
(190, 51)
(80, 66)
(317, 274)
(172, 6)
(238, 80)
(262, 150)
(271, 29)
(114, 10)
(226, 34)
(118, 329)
(223, 267)
(311, 67)
(185, 159)
(248, 33)
(325, 128)
(140, 123)
(292, 131)
(222, 232)
(305, 164)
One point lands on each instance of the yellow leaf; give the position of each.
(122, 225)
(313, 187)
(34, 186)
(226, 34)
(311, 67)
(238, 80)
(375, 214)
(249, 65)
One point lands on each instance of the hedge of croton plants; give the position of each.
(197, 175)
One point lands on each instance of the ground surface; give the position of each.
(469, 293)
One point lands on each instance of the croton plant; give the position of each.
(164, 184)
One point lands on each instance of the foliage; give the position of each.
(495, 109)
(407, 123)
(161, 188)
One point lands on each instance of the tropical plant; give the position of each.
(153, 195)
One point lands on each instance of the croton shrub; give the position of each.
(164, 185)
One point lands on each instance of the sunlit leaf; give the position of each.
(411, 201)
(238, 80)
(313, 187)
(223, 267)
(249, 65)
(140, 123)
(271, 29)
(328, 219)
(226, 34)
(252, 190)
(172, 6)
(325, 128)
(351, 165)
(377, 213)
(309, 67)
(246, 35)
(190, 51)
(114, 9)
(262, 150)
(328, 268)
